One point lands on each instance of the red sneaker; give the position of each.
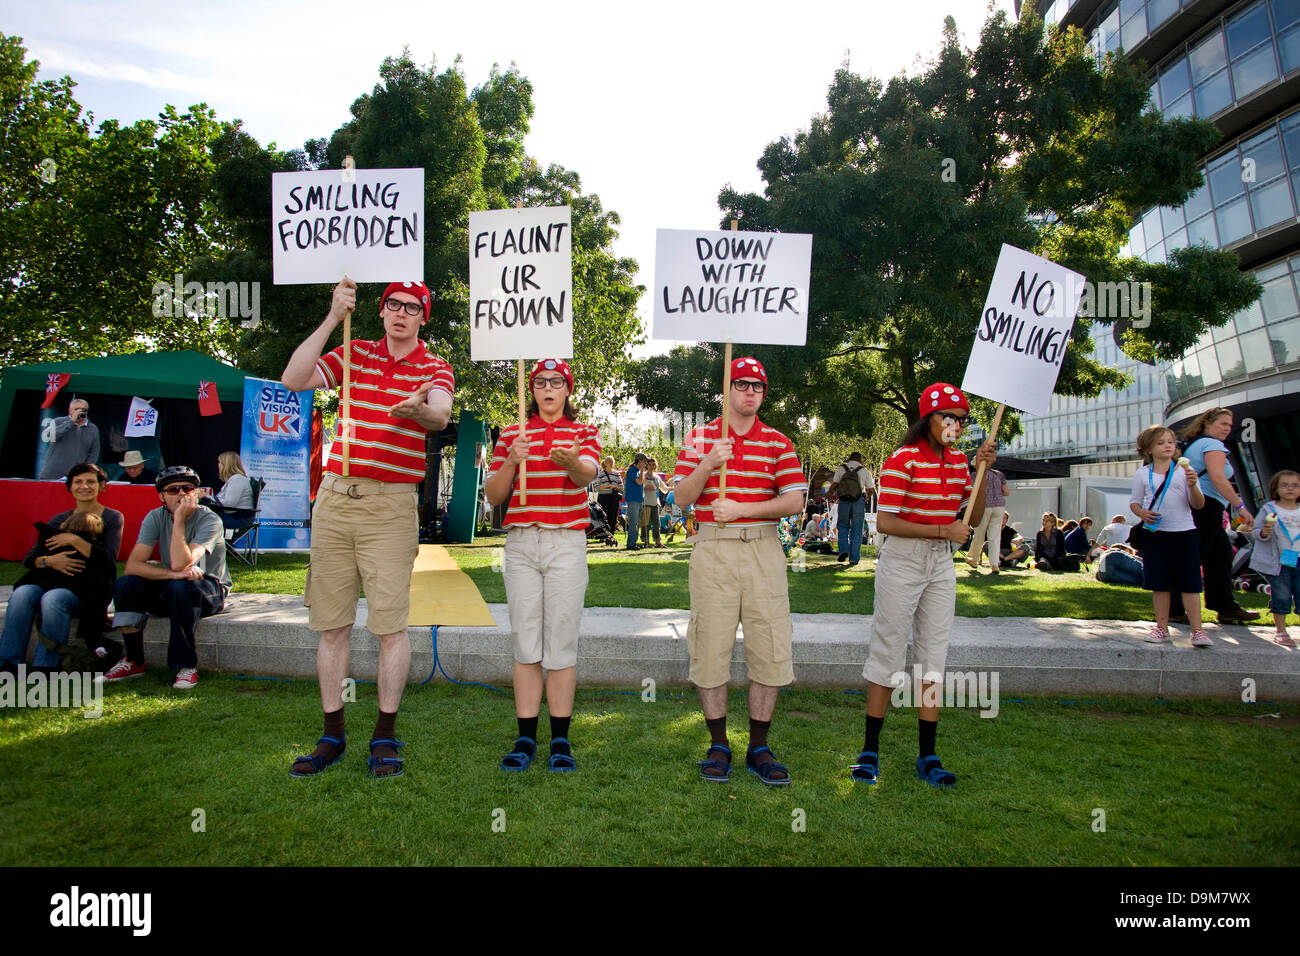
(187, 678)
(123, 670)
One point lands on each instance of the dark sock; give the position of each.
(871, 743)
(758, 733)
(333, 728)
(927, 730)
(385, 730)
(559, 728)
(717, 730)
(527, 727)
(134, 642)
(334, 723)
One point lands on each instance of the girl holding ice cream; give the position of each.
(1164, 493)
(1277, 547)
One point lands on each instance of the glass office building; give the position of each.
(1238, 66)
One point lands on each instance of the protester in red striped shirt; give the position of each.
(364, 527)
(545, 567)
(737, 573)
(923, 486)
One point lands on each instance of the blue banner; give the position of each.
(276, 446)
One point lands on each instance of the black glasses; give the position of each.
(178, 489)
(744, 385)
(557, 382)
(955, 420)
(411, 308)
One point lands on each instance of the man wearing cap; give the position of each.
(134, 471)
(73, 440)
(191, 582)
(737, 573)
(365, 527)
(634, 497)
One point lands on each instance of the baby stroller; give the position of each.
(599, 528)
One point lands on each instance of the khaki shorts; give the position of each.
(370, 540)
(916, 596)
(734, 581)
(545, 572)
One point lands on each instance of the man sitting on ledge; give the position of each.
(191, 583)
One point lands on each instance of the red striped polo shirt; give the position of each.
(554, 501)
(763, 466)
(918, 489)
(384, 448)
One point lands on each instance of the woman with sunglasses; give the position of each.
(923, 487)
(545, 567)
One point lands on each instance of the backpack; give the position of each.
(80, 657)
(850, 486)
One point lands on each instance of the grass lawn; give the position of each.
(657, 578)
(1180, 783)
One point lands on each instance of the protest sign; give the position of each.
(1023, 331)
(732, 286)
(370, 228)
(275, 445)
(521, 283)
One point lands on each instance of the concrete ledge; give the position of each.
(266, 634)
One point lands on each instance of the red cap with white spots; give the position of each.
(941, 395)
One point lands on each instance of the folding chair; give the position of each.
(242, 526)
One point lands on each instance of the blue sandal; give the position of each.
(931, 771)
(712, 763)
(867, 769)
(517, 760)
(374, 763)
(319, 763)
(764, 771)
(561, 763)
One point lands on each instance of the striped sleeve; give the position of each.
(331, 366)
(895, 477)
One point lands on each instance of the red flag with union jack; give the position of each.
(209, 404)
(52, 385)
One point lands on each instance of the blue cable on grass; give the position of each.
(437, 666)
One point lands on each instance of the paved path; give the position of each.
(267, 634)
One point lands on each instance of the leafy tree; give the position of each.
(910, 189)
(470, 144)
(120, 209)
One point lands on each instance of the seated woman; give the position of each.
(237, 490)
(69, 557)
(1012, 548)
(1049, 548)
(1076, 537)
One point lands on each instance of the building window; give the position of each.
(1250, 46)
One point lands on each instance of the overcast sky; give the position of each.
(655, 106)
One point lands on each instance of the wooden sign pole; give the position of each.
(726, 399)
(977, 487)
(523, 433)
(345, 404)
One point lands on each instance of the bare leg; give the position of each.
(1192, 604)
(713, 701)
(528, 689)
(560, 687)
(1160, 599)
(931, 712)
(762, 701)
(394, 668)
(332, 658)
(878, 699)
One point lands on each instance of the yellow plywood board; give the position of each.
(443, 595)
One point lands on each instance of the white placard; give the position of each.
(521, 283)
(141, 419)
(747, 287)
(1023, 331)
(370, 228)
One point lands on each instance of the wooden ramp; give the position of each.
(443, 595)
